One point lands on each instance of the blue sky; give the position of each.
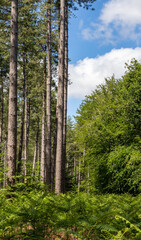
(100, 42)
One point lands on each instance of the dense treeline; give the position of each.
(33, 111)
(107, 142)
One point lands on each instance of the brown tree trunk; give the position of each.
(48, 105)
(5, 163)
(22, 121)
(12, 114)
(26, 135)
(1, 130)
(79, 175)
(1, 113)
(53, 161)
(60, 103)
(65, 92)
(43, 143)
(36, 148)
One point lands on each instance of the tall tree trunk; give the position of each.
(53, 161)
(5, 163)
(65, 91)
(48, 147)
(36, 148)
(1, 113)
(79, 175)
(26, 135)
(12, 114)
(43, 144)
(1, 130)
(22, 121)
(60, 103)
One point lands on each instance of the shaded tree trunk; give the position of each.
(43, 143)
(53, 162)
(12, 114)
(1, 113)
(5, 164)
(48, 105)
(36, 148)
(1, 130)
(60, 104)
(65, 92)
(22, 121)
(26, 135)
(79, 175)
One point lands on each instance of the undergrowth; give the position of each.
(41, 215)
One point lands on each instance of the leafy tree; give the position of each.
(108, 128)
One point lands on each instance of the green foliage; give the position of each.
(108, 129)
(41, 215)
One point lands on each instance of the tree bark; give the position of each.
(65, 93)
(60, 103)
(43, 143)
(5, 163)
(36, 148)
(48, 105)
(1, 129)
(22, 121)
(79, 175)
(12, 114)
(1, 113)
(26, 135)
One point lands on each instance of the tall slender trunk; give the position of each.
(48, 105)
(79, 175)
(36, 148)
(1, 112)
(53, 161)
(12, 114)
(22, 121)
(43, 143)
(1, 129)
(26, 135)
(65, 92)
(5, 163)
(60, 103)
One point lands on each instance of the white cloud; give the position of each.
(122, 12)
(90, 72)
(118, 17)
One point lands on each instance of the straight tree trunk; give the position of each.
(79, 175)
(12, 113)
(5, 163)
(22, 121)
(1, 129)
(43, 143)
(53, 162)
(48, 105)
(65, 92)
(60, 103)
(36, 148)
(1, 113)
(26, 135)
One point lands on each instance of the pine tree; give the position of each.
(12, 116)
(48, 105)
(60, 103)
